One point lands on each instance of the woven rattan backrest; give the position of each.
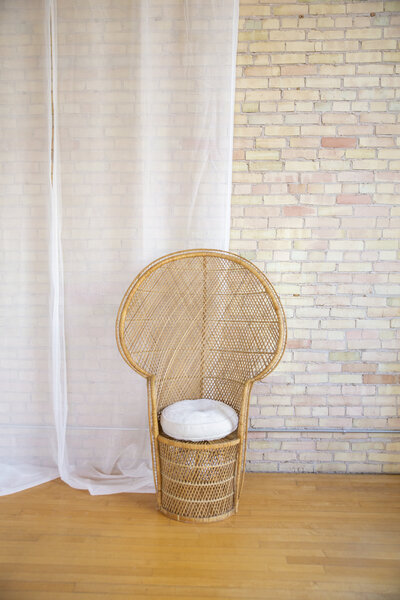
(203, 322)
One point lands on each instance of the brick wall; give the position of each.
(315, 205)
(316, 181)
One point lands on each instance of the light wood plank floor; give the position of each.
(296, 537)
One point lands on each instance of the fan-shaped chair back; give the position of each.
(204, 323)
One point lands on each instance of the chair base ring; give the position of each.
(196, 519)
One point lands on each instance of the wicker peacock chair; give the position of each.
(200, 324)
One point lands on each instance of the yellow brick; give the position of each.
(269, 165)
(263, 71)
(360, 153)
(250, 107)
(252, 36)
(271, 143)
(350, 378)
(301, 233)
(334, 165)
(368, 445)
(302, 106)
(261, 155)
(384, 457)
(327, 9)
(301, 165)
(259, 119)
(338, 118)
(390, 367)
(246, 36)
(244, 59)
(391, 56)
(325, 130)
(288, 58)
(271, 24)
(344, 356)
(391, 468)
(338, 94)
(300, 94)
(337, 70)
(393, 446)
(300, 46)
(364, 7)
(364, 467)
(344, 106)
(382, 106)
(247, 131)
(238, 199)
(268, 106)
(326, 34)
(389, 153)
(254, 10)
(374, 69)
(239, 166)
(323, 82)
(362, 21)
(286, 82)
(282, 35)
(291, 9)
(267, 47)
(319, 57)
(350, 456)
(378, 45)
(326, 22)
(281, 130)
(307, 23)
(240, 119)
(390, 32)
(361, 82)
(343, 22)
(332, 445)
(371, 33)
(262, 95)
(370, 164)
(252, 82)
(342, 45)
(392, 6)
(247, 177)
(264, 60)
(358, 57)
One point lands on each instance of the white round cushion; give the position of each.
(198, 420)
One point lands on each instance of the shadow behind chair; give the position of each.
(200, 324)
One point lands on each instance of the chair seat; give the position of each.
(198, 420)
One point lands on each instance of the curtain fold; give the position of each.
(117, 149)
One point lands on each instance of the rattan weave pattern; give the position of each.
(200, 323)
(197, 482)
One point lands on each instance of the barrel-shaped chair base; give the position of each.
(198, 480)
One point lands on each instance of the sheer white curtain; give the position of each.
(116, 148)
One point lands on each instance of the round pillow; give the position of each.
(198, 420)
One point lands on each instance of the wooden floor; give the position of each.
(296, 537)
